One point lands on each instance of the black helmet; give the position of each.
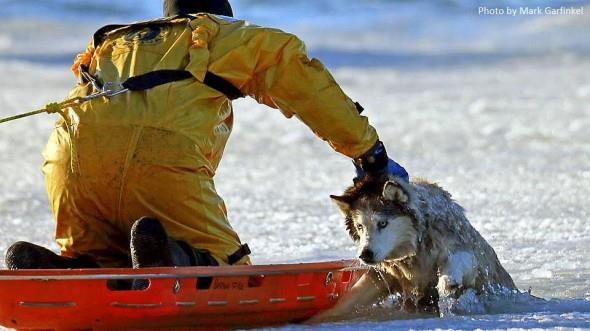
(176, 7)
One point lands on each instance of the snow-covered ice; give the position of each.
(495, 109)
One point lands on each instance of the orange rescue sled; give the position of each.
(177, 298)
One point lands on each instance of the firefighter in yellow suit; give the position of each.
(154, 152)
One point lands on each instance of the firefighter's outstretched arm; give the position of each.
(273, 67)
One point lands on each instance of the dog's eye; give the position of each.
(382, 224)
(359, 227)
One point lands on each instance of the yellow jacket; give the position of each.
(267, 64)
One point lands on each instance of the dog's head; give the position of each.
(379, 218)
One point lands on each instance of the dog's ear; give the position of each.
(393, 191)
(343, 203)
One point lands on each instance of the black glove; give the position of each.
(376, 162)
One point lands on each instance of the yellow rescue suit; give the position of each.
(155, 152)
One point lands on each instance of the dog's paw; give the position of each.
(393, 191)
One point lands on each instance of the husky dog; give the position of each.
(420, 242)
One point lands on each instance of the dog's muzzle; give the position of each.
(367, 256)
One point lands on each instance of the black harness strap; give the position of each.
(359, 108)
(155, 78)
(244, 250)
(222, 85)
(161, 77)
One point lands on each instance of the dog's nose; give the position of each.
(367, 255)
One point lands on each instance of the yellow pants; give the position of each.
(124, 173)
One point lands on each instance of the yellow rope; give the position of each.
(16, 117)
(58, 107)
(53, 107)
(50, 108)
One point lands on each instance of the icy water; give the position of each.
(493, 108)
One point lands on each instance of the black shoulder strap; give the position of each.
(155, 78)
(223, 86)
